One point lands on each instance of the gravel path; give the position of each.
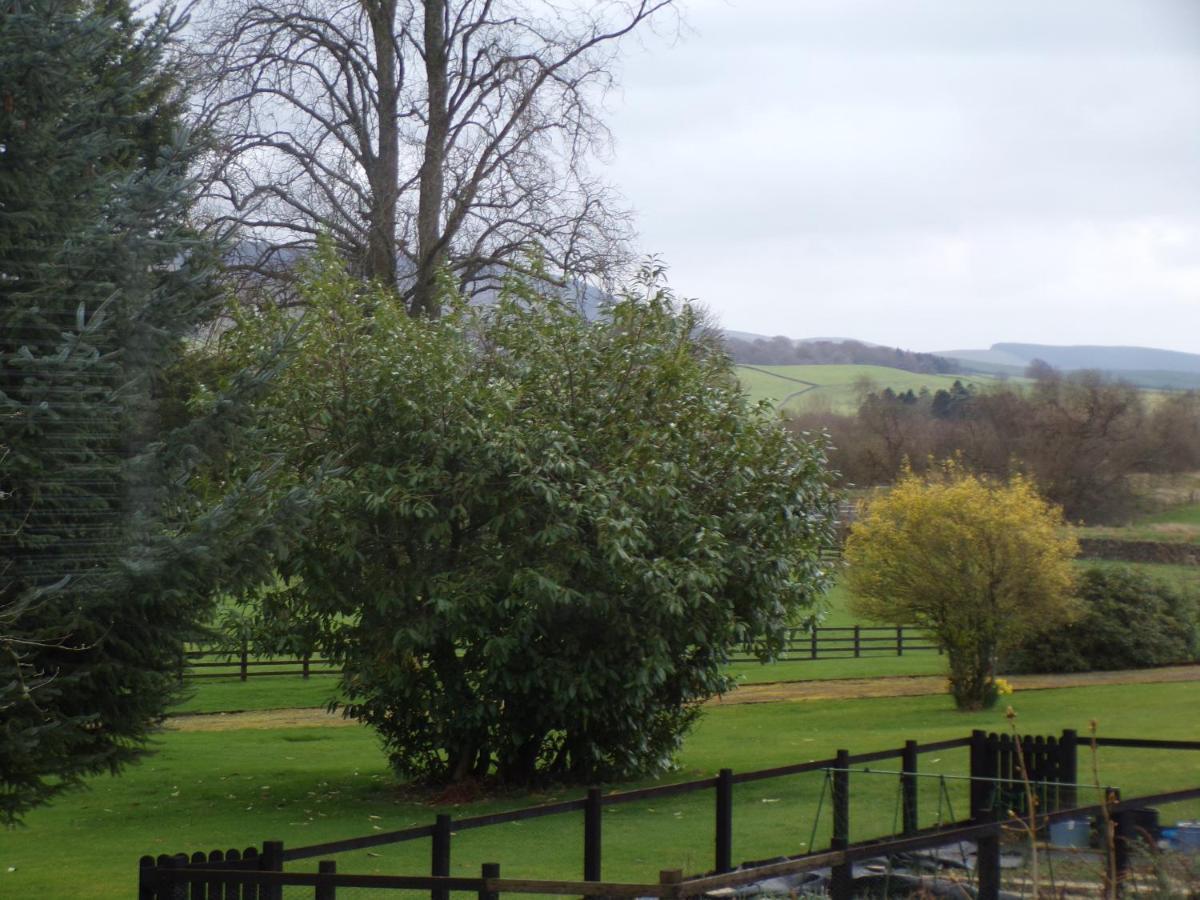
(772, 692)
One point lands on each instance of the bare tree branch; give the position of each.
(437, 133)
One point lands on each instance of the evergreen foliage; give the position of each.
(105, 557)
(540, 537)
(1128, 621)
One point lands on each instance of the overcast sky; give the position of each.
(932, 174)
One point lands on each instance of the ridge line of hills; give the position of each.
(1145, 367)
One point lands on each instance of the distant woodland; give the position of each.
(1080, 436)
(783, 351)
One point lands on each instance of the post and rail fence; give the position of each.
(996, 781)
(801, 644)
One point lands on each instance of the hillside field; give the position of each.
(798, 388)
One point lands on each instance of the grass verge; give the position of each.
(304, 785)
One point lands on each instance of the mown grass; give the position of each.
(1176, 522)
(837, 387)
(305, 785)
(1184, 579)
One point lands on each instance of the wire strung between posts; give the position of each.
(812, 838)
(866, 770)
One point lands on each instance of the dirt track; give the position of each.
(773, 692)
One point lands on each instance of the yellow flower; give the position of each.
(1003, 686)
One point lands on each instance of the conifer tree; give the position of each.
(106, 558)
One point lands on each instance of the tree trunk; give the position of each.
(383, 170)
(431, 249)
(972, 676)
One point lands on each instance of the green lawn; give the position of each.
(1182, 578)
(305, 785)
(837, 387)
(1176, 523)
(275, 692)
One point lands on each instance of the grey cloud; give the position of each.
(825, 155)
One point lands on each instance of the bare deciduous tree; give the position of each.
(418, 133)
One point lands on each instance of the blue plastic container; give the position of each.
(1070, 833)
(1187, 837)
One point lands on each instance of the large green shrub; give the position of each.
(540, 536)
(1129, 621)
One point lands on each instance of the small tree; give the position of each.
(541, 536)
(980, 564)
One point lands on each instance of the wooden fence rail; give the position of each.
(833, 642)
(851, 642)
(260, 875)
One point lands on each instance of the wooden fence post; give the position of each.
(440, 864)
(671, 878)
(1068, 768)
(271, 860)
(841, 878)
(1111, 844)
(1125, 836)
(489, 870)
(592, 810)
(908, 787)
(899, 640)
(724, 829)
(326, 890)
(176, 889)
(245, 661)
(305, 663)
(857, 641)
(983, 786)
(146, 878)
(813, 644)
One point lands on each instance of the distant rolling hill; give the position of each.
(1144, 366)
(836, 387)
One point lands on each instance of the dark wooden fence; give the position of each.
(208, 663)
(846, 642)
(851, 642)
(994, 770)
